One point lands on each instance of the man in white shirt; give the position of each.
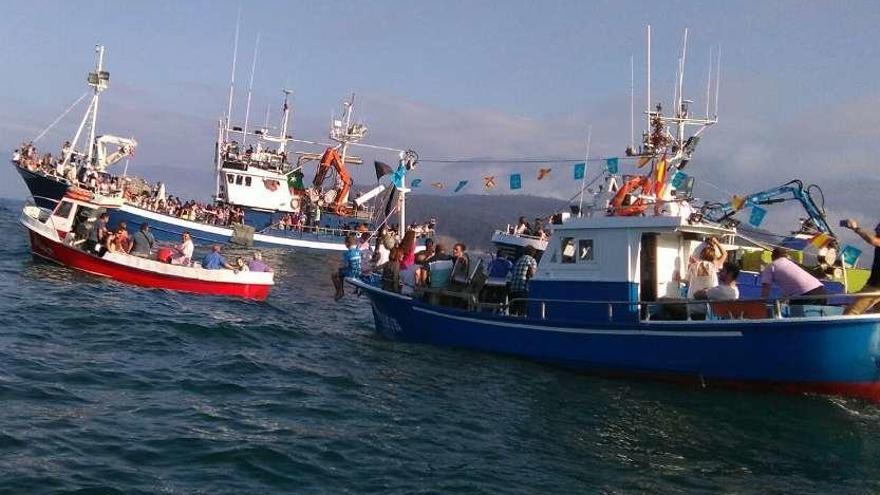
(726, 290)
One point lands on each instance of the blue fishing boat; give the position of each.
(607, 296)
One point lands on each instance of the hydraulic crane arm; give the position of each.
(790, 191)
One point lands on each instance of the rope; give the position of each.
(60, 117)
(523, 160)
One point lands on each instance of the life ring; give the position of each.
(629, 187)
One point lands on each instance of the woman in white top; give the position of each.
(703, 273)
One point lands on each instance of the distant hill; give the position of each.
(472, 218)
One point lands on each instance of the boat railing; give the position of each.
(679, 309)
(510, 231)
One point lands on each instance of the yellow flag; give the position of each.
(820, 240)
(737, 202)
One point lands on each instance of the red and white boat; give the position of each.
(59, 236)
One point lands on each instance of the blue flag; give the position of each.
(397, 177)
(415, 183)
(757, 216)
(678, 179)
(611, 165)
(515, 181)
(850, 255)
(460, 186)
(580, 170)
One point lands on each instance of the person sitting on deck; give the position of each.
(121, 242)
(143, 241)
(525, 268)
(792, 280)
(215, 261)
(351, 267)
(726, 290)
(257, 264)
(183, 252)
(522, 226)
(240, 265)
(391, 271)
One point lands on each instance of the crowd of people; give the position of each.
(538, 229)
(102, 239)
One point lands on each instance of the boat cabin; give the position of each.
(77, 212)
(614, 259)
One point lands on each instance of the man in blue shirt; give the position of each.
(214, 260)
(351, 266)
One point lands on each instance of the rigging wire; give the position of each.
(54, 122)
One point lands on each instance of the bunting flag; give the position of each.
(382, 169)
(515, 181)
(643, 160)
(580, 171)
(850, 255)
(543, 172)
(461, 185)
(611, 165)
(489, 182)
(415, 183)
(438, 185)
(757, 216)
(678, 179)
(660, 177)
(820, 240)
(737, 202)
(398, 176)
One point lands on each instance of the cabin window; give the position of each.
(585, 251)
(230, 178)
(63, 210)
(247, 181)
(238, 180)
(567, 250)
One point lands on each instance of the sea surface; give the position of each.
(112, 389)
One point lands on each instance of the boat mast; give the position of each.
(232, 77)
(98, 80)
(584, 178)
(99, 85)
(284, 121)
(247, 110)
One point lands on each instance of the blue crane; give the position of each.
(790, 191)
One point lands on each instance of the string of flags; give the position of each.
(515, 181)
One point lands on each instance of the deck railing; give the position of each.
(680, 309)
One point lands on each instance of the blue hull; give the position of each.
(826, 355)
(168, 229)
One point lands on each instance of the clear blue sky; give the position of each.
(457, 78)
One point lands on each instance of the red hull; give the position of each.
(79, 260)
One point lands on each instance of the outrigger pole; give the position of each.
(232, 77)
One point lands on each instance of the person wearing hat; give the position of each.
(865, 304)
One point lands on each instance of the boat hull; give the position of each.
(833, 355)
(169, 228)
(45, 190)
(76, 259)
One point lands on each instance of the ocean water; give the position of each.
(112, 389)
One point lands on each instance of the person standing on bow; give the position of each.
(351, 266)
(866, 303)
